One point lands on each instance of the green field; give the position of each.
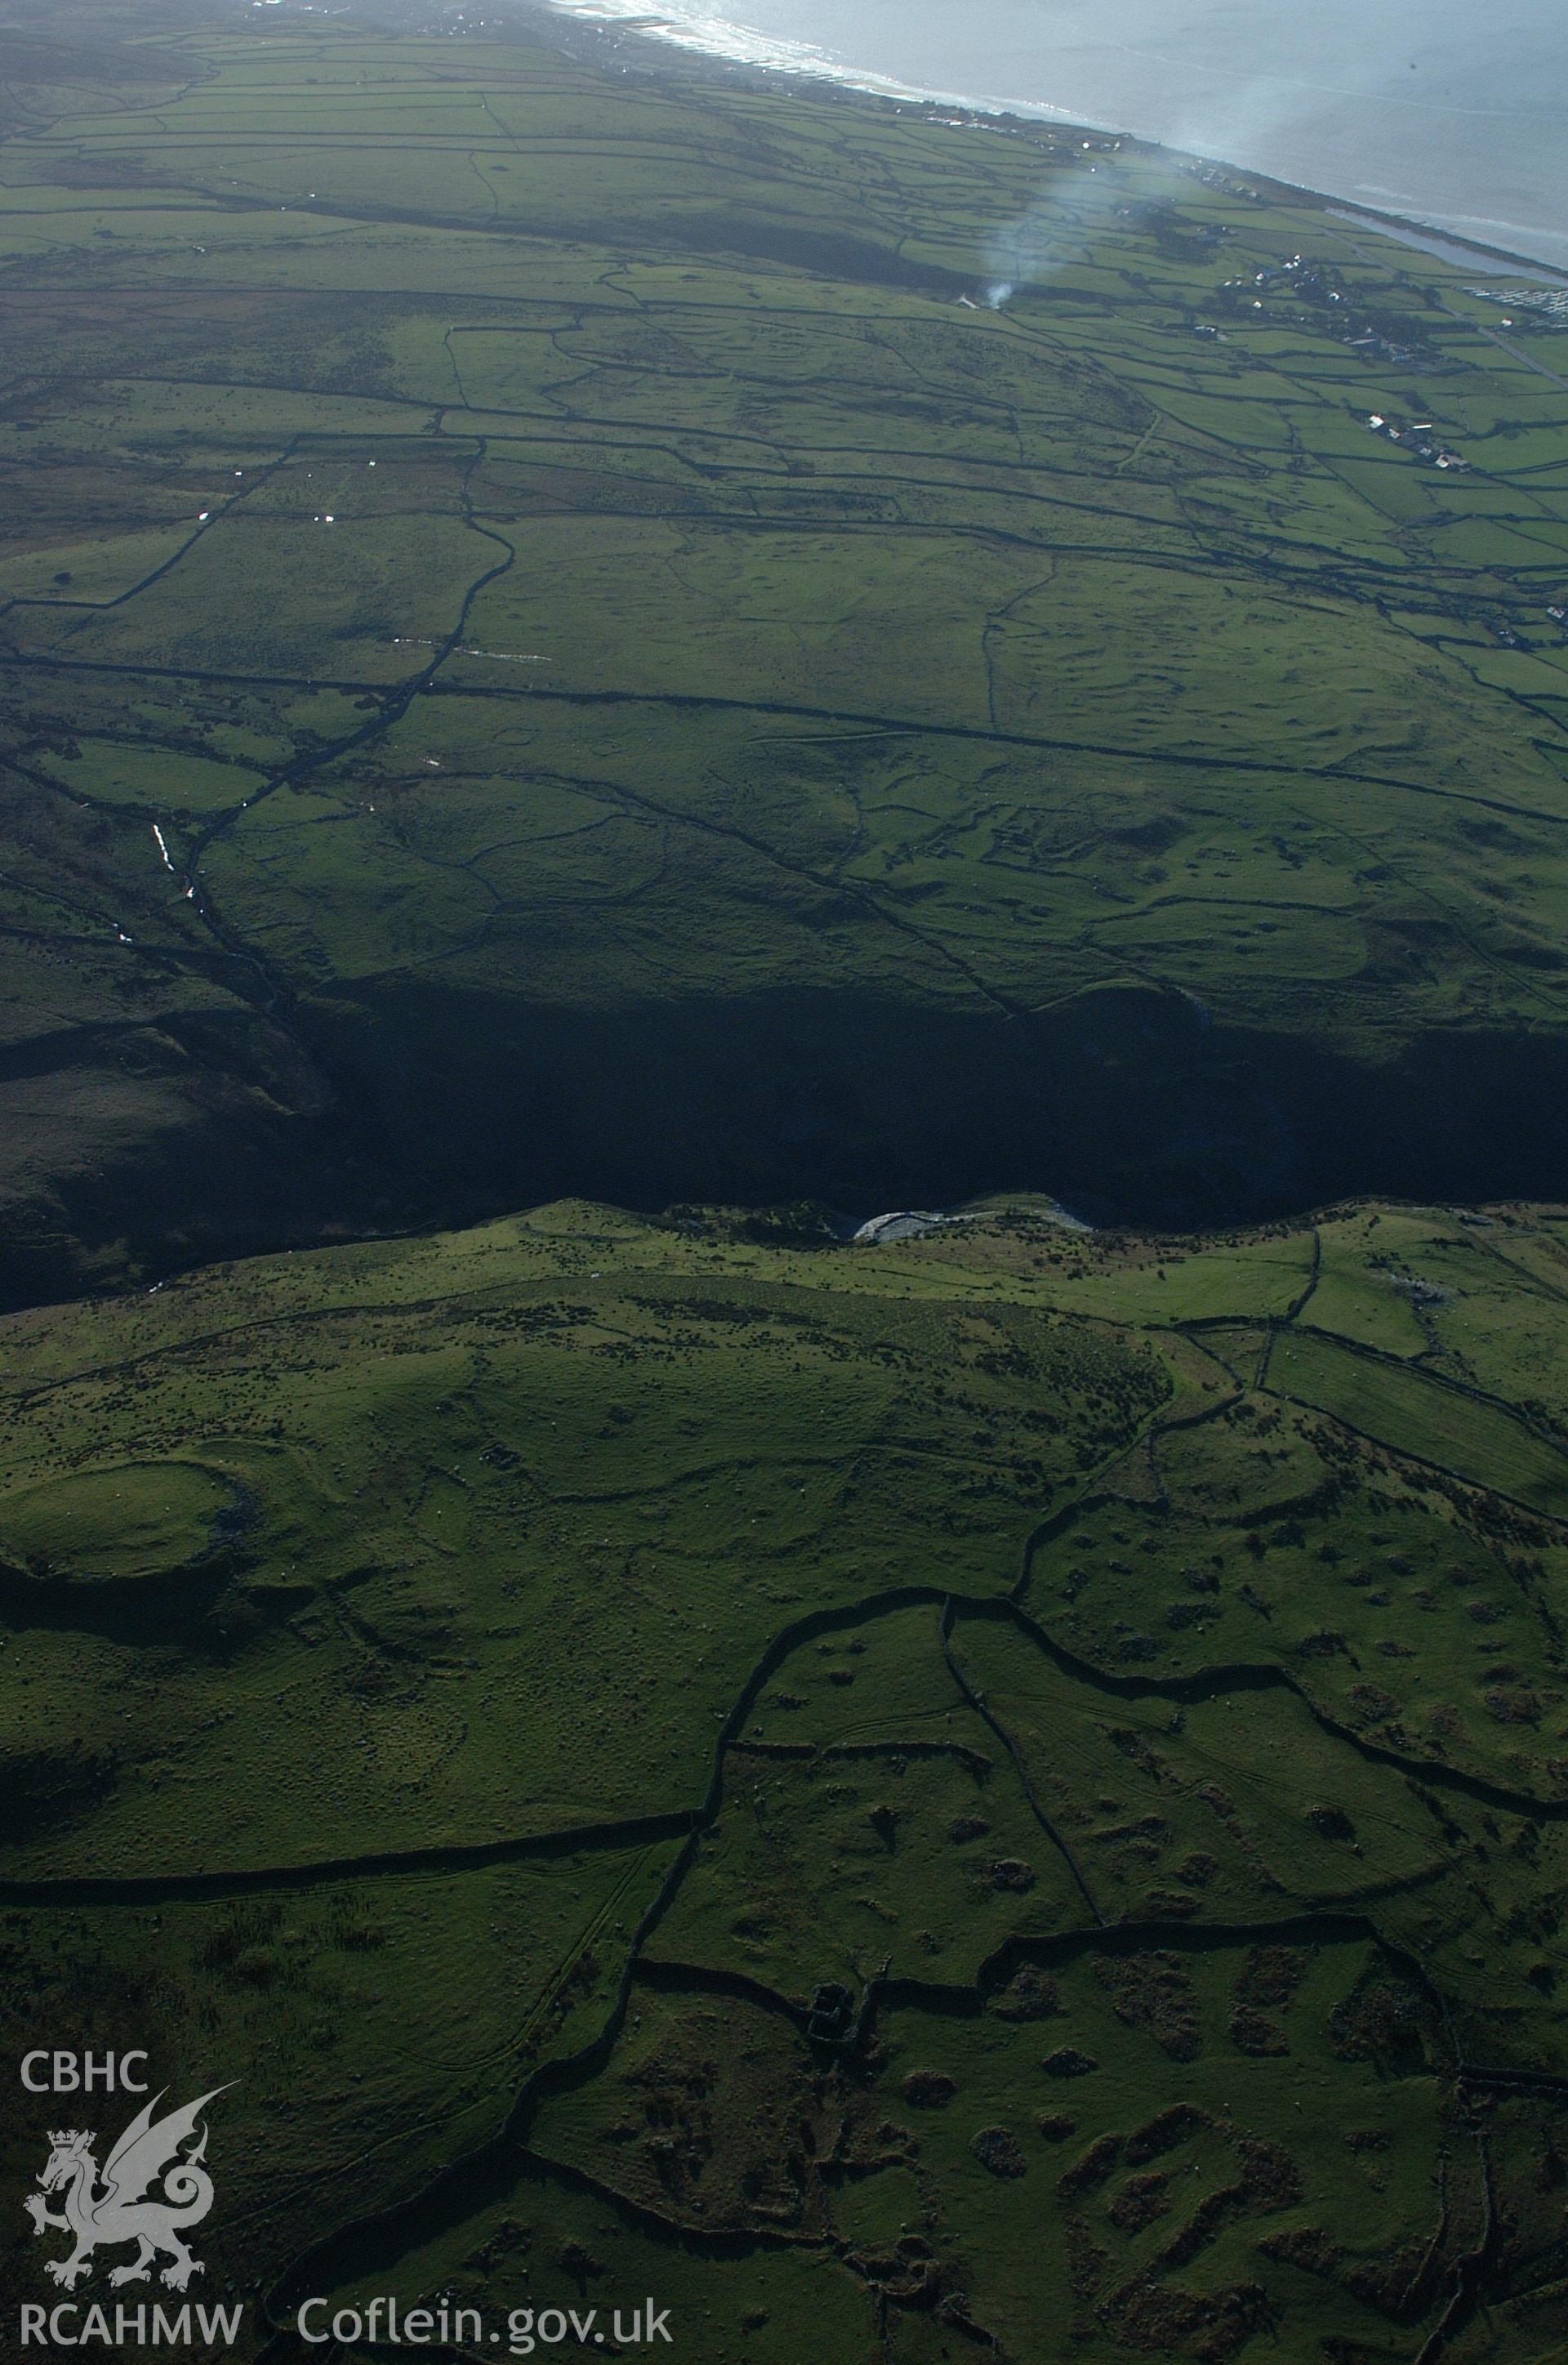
(995, 1791)
(480, 504)
(1150, 1709)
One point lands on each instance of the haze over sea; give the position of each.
(1452, 111)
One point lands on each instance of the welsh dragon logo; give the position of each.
(147, 2153)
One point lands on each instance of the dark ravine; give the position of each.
(409, 1105)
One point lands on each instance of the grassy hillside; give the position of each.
(577, 634)
(551, 640)
(476, 1690)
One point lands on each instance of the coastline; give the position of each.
(658, 42)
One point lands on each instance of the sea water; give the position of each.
(1455, 112)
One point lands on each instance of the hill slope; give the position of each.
(482, 1688)
(550, 641)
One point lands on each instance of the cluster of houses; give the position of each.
(1215, 176)
(1300, 277)
(1417, 439)
(1503, 631)
(1378, 348)
(1313, 285)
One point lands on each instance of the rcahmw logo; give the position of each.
(151, 2189)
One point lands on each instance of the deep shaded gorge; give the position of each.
(430, 1106)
